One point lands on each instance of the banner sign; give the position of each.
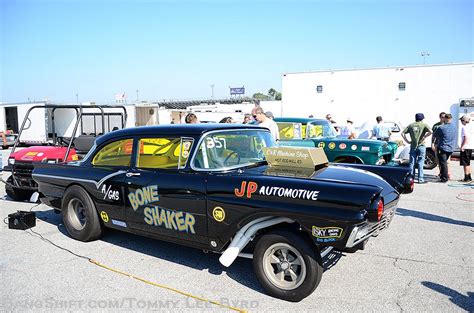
(237, 91)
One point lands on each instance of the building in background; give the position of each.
(396, 93)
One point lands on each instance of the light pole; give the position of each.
(212, 91)
(137, 94)
(77, 98)
(424, 54)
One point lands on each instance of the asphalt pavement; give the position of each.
(422, 262)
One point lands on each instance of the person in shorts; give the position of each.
(467, 145)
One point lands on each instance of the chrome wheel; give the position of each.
(284, 266)
(77, 214)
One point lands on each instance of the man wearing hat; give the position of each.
(467, 145)
(446, 142)
(418, 132)
(349, 130)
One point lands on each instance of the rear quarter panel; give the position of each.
(245, 197)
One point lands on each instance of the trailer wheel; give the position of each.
(80, 215)
(287, 266)
(17, 194)
(430, 160)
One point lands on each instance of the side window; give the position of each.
(289, 130)
(117, 153)
(165, 153)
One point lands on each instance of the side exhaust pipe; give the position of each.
(247, 233)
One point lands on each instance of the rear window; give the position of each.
(117, 153)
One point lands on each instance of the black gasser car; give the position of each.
(211, 187)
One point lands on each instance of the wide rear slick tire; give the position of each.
(80, 215)
(287, 266)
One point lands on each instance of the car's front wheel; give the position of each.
(80, 215)
(287, 266)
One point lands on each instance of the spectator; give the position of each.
(264, 121)
(247, 118)
(329, 118)
(418, 132)
(191, 118)
(380, 131)
(442, 116)
(4, 140)
(348, 130)
(446, 142)
(433, 139)
(227, 120)
(269, 114)
(467, 145)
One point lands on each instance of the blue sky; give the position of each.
(177, 49)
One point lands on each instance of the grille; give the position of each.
(22, 173)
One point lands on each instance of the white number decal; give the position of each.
(217, 143)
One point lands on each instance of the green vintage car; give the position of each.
(310, 132)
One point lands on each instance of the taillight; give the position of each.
(379, 209)
(412, 184)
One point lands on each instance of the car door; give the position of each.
(108, 169)
(163, 198)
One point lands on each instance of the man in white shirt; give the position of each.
(467, 145)
(264, 121)
(348, 131)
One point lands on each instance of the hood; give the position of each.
(42, 153)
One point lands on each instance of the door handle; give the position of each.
(130, 174)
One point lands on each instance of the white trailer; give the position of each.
(395, 93)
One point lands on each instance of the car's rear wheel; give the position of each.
(430, 160)
(17, 194)
(287, 266)
(80, 215)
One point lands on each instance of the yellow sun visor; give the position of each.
(296, 157)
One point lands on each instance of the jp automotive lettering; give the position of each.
(289, 193)
(249, 188)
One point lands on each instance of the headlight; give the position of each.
(11, 161)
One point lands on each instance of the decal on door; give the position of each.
(176, 220)
(110, 193)
(143, 196)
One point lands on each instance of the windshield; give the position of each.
(231, 149)
(320, 129)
